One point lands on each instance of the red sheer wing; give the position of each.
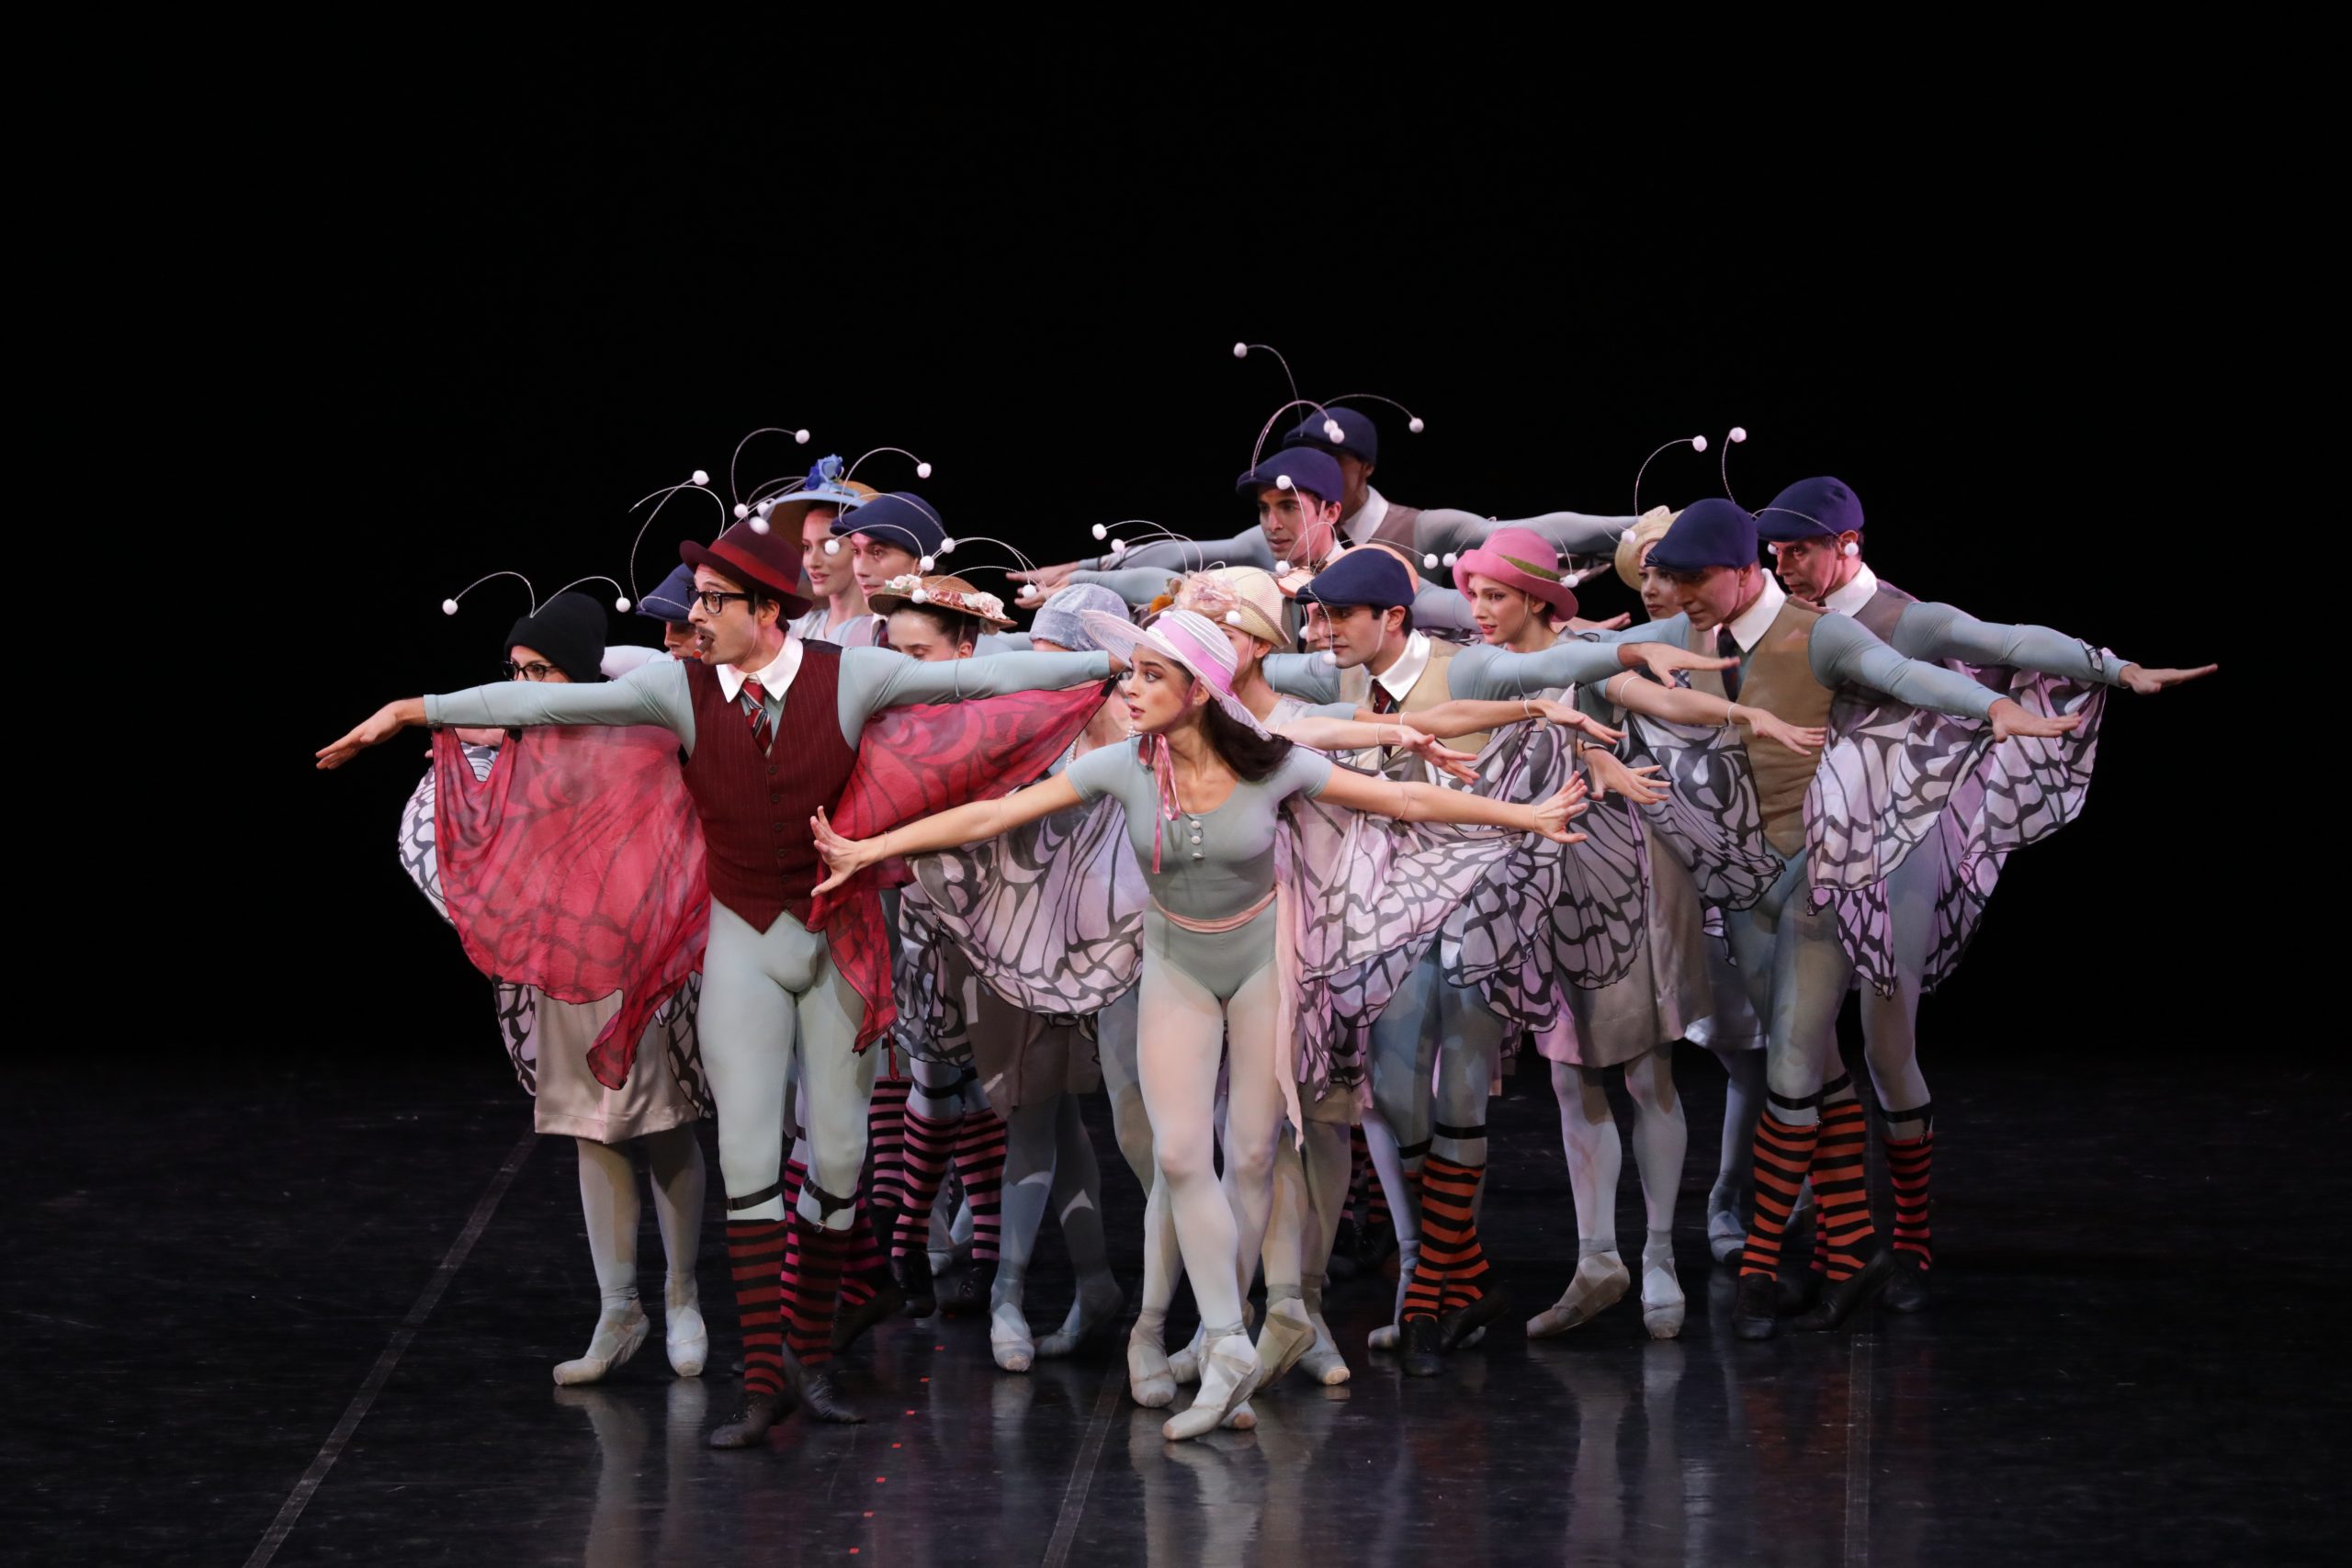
(577, 867)
(912, 762)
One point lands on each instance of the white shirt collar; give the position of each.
(1859, 590)
(1399, 677)
(1749, 626)
(1367, 518)
(777, 679)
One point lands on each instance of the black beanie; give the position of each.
(569, 631)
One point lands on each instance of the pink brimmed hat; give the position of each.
(1185, 636)
(1520, 558)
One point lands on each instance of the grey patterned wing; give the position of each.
(1050, 915)
(1886, 776)
(416, 829)
(932, 1026)
(1709, 819)
(518, 1027)
(674, 1027)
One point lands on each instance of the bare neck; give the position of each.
(1534, 636)
(1392, 648)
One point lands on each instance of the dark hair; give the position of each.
(954, 624)
(1252, 757)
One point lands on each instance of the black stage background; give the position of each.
(493, 330)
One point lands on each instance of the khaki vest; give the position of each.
(1432, 689)
(1777, 676)
(1886, 608)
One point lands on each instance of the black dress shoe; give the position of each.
(1423, 1352)
(850, 1322)
(817, 1393)
(1752, 1309)
(1454, 1327)
(917, 1293)
(1839, 1301)
(1908, 1290)
(1797, 1292)
(749, 1426)
(971, 1294)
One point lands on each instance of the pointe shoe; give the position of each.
(813, 1388)
(1322, 1360)
(1243, 1419)
(751, 1424)
(1907, 1289)
(1727, 1236)
(1662, 1302)
(1286, 1335)
(1424, 1348)
(1754, 1314)
(1184, 1366)
(1009, 1339)
(1099, 1302)
(684, 1333)
(1229, 1370)
(618, 1335)
(1843, 1298)
(1467, 1326)
(1600, 1281)
(1148, 1383)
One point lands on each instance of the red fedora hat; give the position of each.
(769, 561)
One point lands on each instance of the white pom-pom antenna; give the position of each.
(1233, 617)
(833, 547)
(923, 470)
(734, 491)
(946, 546)
(741, 511)
(1241, 351)
(1413, 421)
(1328, 656)
(760, 525)
(1102, 531)
(449, 605)
(1429, 561)
(661, 498)
(1415, 425)
(1734, 436)
(1696, 444)
(1332, 428)
(927, 563)
(921, 595)
(1450, 557)
(1282, 481)
(699, 477)
(620, 604)
(1118, 548)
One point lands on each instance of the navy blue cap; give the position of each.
(1712, 532)
(673, 599)
(1307, 467)
(1358, 437)
(901, 518)
(1811, 509)
(1362, 577)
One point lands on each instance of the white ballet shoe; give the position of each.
(1184, 1366)
(1726, 1235)
(1662, 1302)
(1228, 1373)
(1285, 1335)
(1243, 1419)
(1148, 1383)
(618, 1335)
(1099, 1302)
(682, 1330)
(1384, 1337)
(1600, 1282)
(1008, 1338)
(1322, 1360)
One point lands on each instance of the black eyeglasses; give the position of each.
(715, 601)
(536, 669)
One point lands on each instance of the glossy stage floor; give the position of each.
(308, 1317)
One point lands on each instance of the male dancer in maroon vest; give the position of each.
(770, 726)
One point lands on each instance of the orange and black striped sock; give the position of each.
(1783, 1154)
(1841, 1188)
(755, 1259)
(816, 1292)
(979, 1166)
(1449, 1229)
(1908, 1163)
(1425, 1291)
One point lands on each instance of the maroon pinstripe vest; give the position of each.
(756, 806)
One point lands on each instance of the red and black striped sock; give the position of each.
(886, 1133)
(1908, 1164)
(1842, 1188)
(864, 1272)
(930, 1143)
(755, 1259)
(795, 1173)
(1363, 1190)
(979, 1166)
(1450, 1228)
(1783, 1154)
(816, 1292)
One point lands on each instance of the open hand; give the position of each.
(1616, 623)
(2148, 683)
(1445, 758)
(1551, 818)
(1664, 661)
(1803, 739)
(1044, 579)
(2010, 721)
(1639, 785)
(1573, 717)
(374, 730)
(844, 857)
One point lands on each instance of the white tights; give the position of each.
(609, 1203)
(1596, 1157)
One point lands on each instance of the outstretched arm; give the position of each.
(1679, 704)
(1946, 631)
(1495, 673)
(1430, 803)
(1473, 715)
(1445, 530)
(1844, 653)
(872, 679)
(1369, 730)
(652, 694)
(947, 830)
(1308, 676)
(1137, 585)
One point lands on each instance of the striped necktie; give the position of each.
(762, 732)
